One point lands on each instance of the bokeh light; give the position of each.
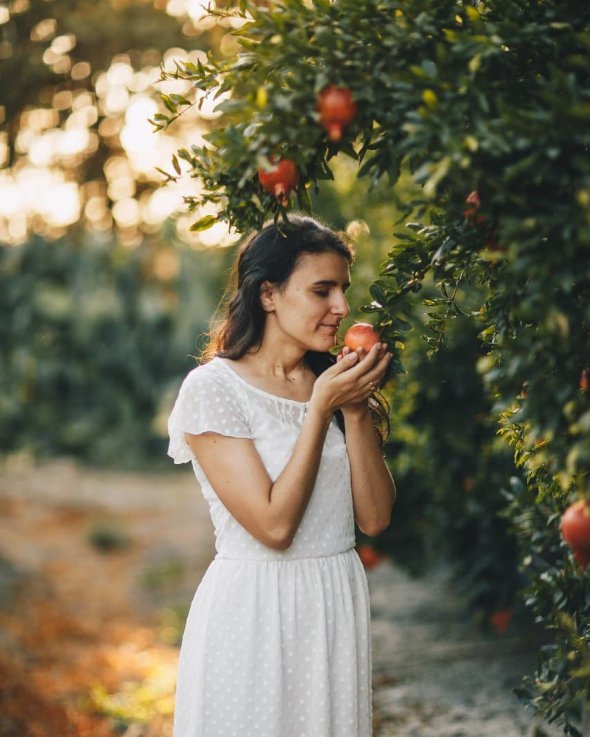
(93, 114)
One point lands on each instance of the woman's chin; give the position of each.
(324, 345)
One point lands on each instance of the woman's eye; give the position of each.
(322, 293)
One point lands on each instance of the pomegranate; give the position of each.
(471, 211)
(370, 558)
(582, 557)
(280, 179)
(575, 530)
(337, 109)
(361, 335)
(584, 380)
(500, 620)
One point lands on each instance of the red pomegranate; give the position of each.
(472, 207)
(370, 557)
(280, 179)
(337, 109)
(582, 557)
(575, 530)
(584, 380)
(361, 335)
(500, 620)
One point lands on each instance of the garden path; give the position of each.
(435, 673)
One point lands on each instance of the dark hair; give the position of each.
(272, 254)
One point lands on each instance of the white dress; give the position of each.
(276, 643)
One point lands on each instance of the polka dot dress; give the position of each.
(276, 643)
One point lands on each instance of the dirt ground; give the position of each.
(97, 569)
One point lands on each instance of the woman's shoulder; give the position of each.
(203, 370)
(209, 376)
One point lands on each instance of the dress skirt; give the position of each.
(277, 648)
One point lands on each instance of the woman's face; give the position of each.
(310, 305)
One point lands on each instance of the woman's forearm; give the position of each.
(290, 493)
(373, 488)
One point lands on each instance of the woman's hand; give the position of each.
(350, 382)
(381, 361)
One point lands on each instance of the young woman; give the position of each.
(284, 443)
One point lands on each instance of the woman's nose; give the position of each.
(340, 306)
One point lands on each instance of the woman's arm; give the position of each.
(373, 488)
(271, 512)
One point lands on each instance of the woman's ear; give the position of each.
(267, 292)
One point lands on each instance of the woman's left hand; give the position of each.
(378, 357)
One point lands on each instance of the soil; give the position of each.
(97, 570)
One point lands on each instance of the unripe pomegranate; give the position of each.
(575, 530)
(337, 109)
(471, 211)
(361, 335)
(280, 179)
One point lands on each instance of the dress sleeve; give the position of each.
(205, 403)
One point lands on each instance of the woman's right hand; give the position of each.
(349, 381)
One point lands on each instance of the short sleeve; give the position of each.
(205, 403)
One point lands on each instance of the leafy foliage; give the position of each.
(491, 98)
(450, 467)
(92, 345)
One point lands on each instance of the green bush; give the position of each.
(450, 467)
(94, 344)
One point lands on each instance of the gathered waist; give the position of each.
(279, 557)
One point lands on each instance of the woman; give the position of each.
(277, 640)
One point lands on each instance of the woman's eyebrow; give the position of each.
(330, 283)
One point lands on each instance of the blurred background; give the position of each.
(105, 297)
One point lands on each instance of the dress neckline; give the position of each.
(295, 402)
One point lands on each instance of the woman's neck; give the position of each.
(268, 362)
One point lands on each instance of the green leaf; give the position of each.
(176, 165)
(168, 103)
(203, 223)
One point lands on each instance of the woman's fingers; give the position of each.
(376, 375)
(353, 377)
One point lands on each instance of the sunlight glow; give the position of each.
(217, 235)
(44, 30)
(41, 193)
(63, 44)
(126, 212)
(38, 192)
(207, 105)
(60, 204)
(119, 74)
(197, 9)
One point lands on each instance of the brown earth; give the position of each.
(75, 615)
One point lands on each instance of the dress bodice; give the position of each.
(215, 398)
